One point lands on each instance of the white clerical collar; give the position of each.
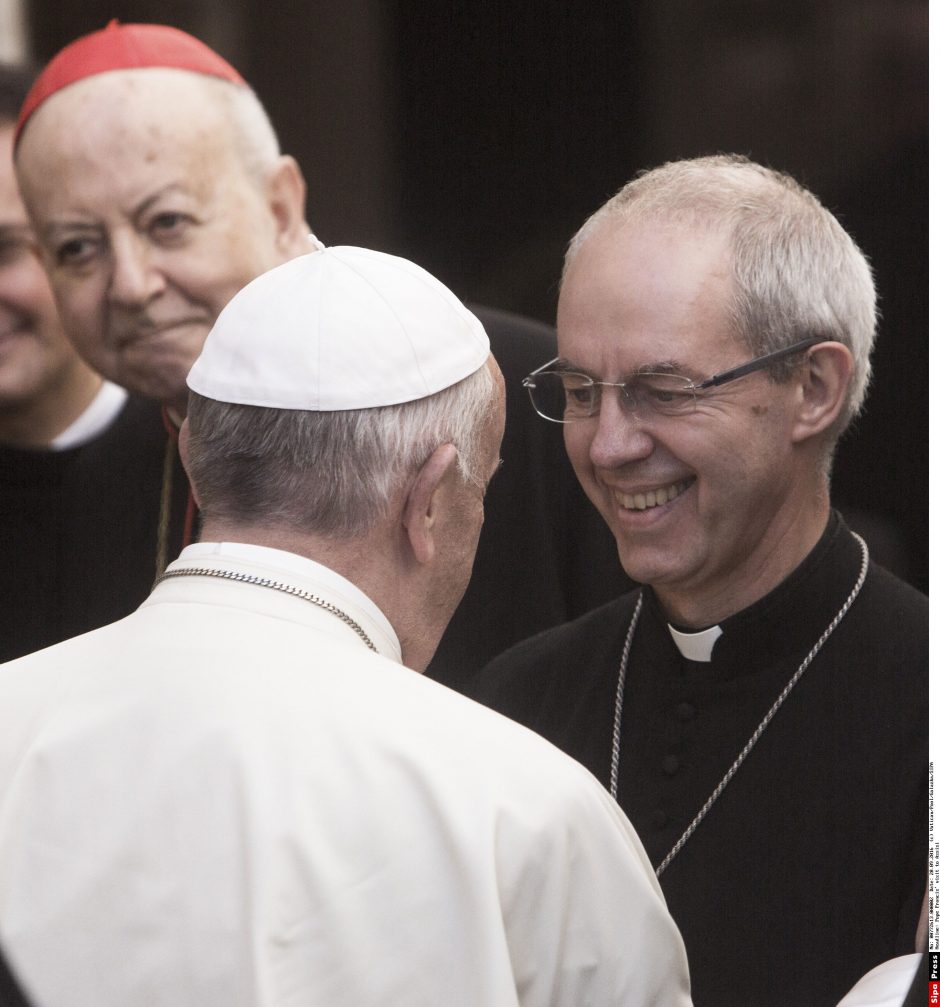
(97, 416)
(696, 646)
(291, 563)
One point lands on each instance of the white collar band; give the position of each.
(98, 415)
(696, 646)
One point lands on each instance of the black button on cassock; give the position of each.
(685, 711)
(671, 765)
(659, 818)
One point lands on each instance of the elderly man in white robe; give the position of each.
(244, 793)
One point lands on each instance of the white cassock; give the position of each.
(887, 985)
(226, 799)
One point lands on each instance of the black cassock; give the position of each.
(79, 529)
(810, 868)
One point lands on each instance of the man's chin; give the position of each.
(156, 367)
(649, 566)
(168, 388)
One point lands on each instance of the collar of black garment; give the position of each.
(34, 467)
(790, 619)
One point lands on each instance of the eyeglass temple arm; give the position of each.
(759, 363)
(539, 370)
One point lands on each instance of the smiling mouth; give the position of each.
(148, 332)
(652, 498)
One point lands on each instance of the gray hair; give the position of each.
(332, 473)
(255, 140)
(796, 272)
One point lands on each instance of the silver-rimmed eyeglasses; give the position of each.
(564, 395)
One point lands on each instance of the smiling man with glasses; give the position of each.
(758, 707)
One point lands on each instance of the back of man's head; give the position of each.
(326, 384)
(796, 272)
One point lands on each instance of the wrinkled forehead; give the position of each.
(646, 262)
(640, 292)
(135, 105)
(638, 240)
(116, 138)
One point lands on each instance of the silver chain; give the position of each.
(296, 592)
(761, 727)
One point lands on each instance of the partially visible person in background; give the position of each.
(157, 188)
(52, 405)
(46, 390)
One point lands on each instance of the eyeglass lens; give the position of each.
(564, 396)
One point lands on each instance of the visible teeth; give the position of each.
(654, 498)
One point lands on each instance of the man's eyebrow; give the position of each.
(656, 367)
(50, 230)
(565, 365)
(662, 367)
(145, 204)
(56, 227)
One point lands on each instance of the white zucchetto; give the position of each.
(340, 328)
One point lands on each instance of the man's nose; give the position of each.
(134, 276)
(621, 433)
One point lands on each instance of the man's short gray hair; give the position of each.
(796, 271)
(253, 134)
(331, 473)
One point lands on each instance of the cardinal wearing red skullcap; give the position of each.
(124, 47)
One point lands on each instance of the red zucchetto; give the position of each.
(123, 47)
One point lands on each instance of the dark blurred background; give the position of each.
(474, 137)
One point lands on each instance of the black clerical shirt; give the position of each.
(810, 869)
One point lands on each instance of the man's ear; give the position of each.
(287, 198)
(184, 458)
(421, 514)
(823, 386)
